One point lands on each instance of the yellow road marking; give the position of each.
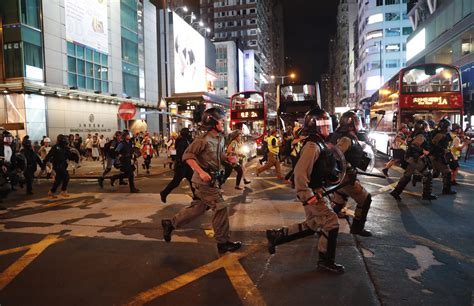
(15, 250)
(187, 278)
(35, 250)
(442, 248)
(246, 289)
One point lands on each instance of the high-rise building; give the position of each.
(444, 33)
(383, 27)
(257, 24)
(346, 17)
(229, 68)
(69, 64)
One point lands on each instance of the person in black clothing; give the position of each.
(32, 159)
(182, 169)
(111, 157)
(125, 154)
(59, 156)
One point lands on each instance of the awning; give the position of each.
(199, 96)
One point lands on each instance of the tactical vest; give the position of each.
(356, 155)
(324, 170)
(273, 149)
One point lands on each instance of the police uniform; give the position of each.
(315, 168)
(125, 150)
(440, 143)
(349, 145)
(59, 156)
(208, 152)
(417, 163)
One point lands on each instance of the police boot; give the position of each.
(280, 236)
(447, 184)
(326, 261)
(415, 179)
(402, 183)
(358, 223)
(167, 229)
(427, 188)
(228, 246)
(101, 182)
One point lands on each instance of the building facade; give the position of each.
(383, 28)
(257, 25)
(67, 65)
(444, 33)
(229, 68)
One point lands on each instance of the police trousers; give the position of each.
(208, 197)
(358, 193)
(320, 217)
(272, 161)
(61, 178)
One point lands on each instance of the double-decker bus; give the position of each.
(426, 91)
(294, 100)
(250, 113)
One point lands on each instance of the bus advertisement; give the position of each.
(426, 91)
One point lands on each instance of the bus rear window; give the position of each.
(430, 79)
(290, 93)
(247, 100)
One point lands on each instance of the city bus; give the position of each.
(250, 113)
(426, 91)
(294, 100)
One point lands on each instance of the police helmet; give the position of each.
(7, 137)
(420, 126)
(444, 124)
(314, 121)
(349, 122)
(211, 117)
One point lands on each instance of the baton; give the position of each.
(371, 174)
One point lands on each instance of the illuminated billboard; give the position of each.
(86, 23)
(189, 57)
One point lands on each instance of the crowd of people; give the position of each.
(207, 159)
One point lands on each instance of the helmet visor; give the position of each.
(325, 126)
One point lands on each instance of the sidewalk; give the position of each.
(94, 169)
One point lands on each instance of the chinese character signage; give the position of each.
(247, 114)
(430, 101)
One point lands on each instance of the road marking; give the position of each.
(247, 291)
(15, 250)
(442, 248)
(388, 187)
(191, 276)
(35, 250)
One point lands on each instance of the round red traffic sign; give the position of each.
(127, 110)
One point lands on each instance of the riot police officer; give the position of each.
(111, 156)
(345, 138)
(417, 157)
(59, 156)
(7, 158)
(205, 155)
(440, 140)
(313, 171)
(32, 160)
(125, 153)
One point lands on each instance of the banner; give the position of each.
(86, 23)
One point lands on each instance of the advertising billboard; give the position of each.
(189, 57)
(86, 23)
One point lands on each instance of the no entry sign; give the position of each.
(127, 111)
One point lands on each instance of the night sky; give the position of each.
(308, 25)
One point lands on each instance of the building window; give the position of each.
(379, 2)
(390, 32)
(12, 54)
(375, 18)
(30, 13)
(392, 48)
(392, 63)
(374, 34)
(407, 30)
(392, 16)
(253, 32)
(130, 70)
(89, 71)
(389, 2)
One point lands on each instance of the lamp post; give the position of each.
(283, 77)
(192, 17)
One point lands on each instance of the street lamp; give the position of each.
(283, 77)
(183, 8)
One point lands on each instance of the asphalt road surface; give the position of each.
(105, 247)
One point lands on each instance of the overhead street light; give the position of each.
(283, 77)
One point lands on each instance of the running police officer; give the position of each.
(206, 156)
(440, 141)
(125, 153)
(313, 171)
(418, 161)
(345, 137)
(32, 160)
(111, 156)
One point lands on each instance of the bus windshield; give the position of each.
(247, 100)
(297, 93)
(430, 78)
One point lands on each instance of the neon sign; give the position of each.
(248, 114)
(430, 101)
